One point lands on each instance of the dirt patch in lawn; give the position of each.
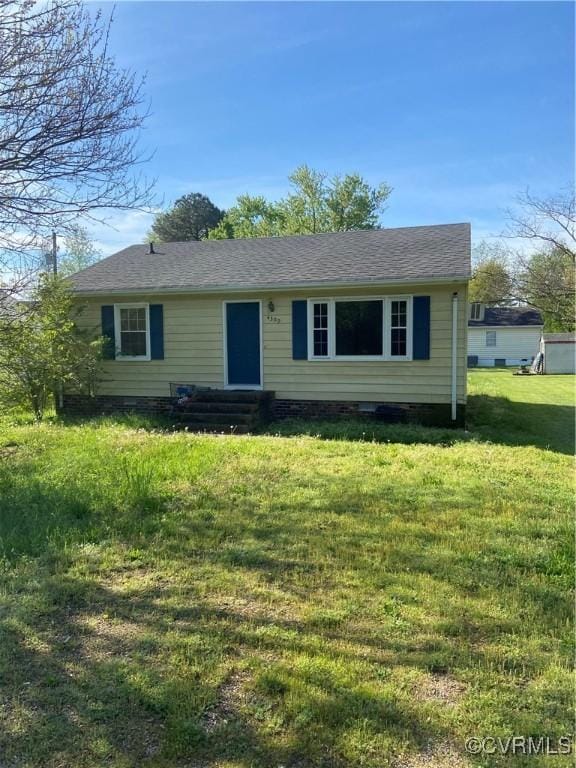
(103, 638)
(442, 688)
(230, 697)
(435, 755)
(8, 450)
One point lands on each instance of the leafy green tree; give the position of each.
(354, 204)
(492, 279)
(250, 217)
(306, 210)
(191, 218)
(42, 350)
(79, 252)
(315, 204)
(546, 280)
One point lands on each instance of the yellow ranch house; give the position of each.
(327, 325)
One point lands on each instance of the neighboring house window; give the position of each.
(360, 329)
(475, 311)
(132, 324)
(490, 338)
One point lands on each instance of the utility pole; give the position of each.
(54, 254)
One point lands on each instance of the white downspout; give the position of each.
(453, 389)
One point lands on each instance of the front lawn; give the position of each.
(172, 600)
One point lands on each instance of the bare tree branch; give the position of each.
(69, 125)
(551, 222)
(545, 278)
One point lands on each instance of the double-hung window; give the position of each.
(360, 328)
(490, 338)
(320, 329)
(475, 311)
(398, 327)
(132, 327)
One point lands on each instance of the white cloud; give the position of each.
(121, 228)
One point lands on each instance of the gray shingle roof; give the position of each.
(559, 338)
(376, 256)
(508, 316)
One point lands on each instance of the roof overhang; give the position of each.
(276, 288)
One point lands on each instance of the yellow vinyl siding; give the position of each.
(192, 348)
(193, 351)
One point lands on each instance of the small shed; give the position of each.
(559, 352)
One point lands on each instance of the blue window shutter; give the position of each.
(109, 349)
(157, 331)
(300, 330)
(421, 328)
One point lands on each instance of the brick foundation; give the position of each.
(419, 413)
(81, 405)
(313, 409)
(428, 414)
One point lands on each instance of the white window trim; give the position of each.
(118, 329)
(386, 355)
(491, 346)
(475, 310)
(388, 325)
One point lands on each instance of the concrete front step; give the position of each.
(224, 411)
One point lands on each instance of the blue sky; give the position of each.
(459, 106)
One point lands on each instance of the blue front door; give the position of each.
(243, 344)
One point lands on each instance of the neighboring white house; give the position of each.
(503, 335)
(559, 352)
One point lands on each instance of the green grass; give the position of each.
(523, 410)
(369, 600)
(516, 410)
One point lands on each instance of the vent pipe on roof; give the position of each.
(151, 247)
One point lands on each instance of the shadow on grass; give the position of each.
(91, 689)
(496, 419)
(364, 430)
(119, 661)
(91, 682)
(86, 679)
(543, 425)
